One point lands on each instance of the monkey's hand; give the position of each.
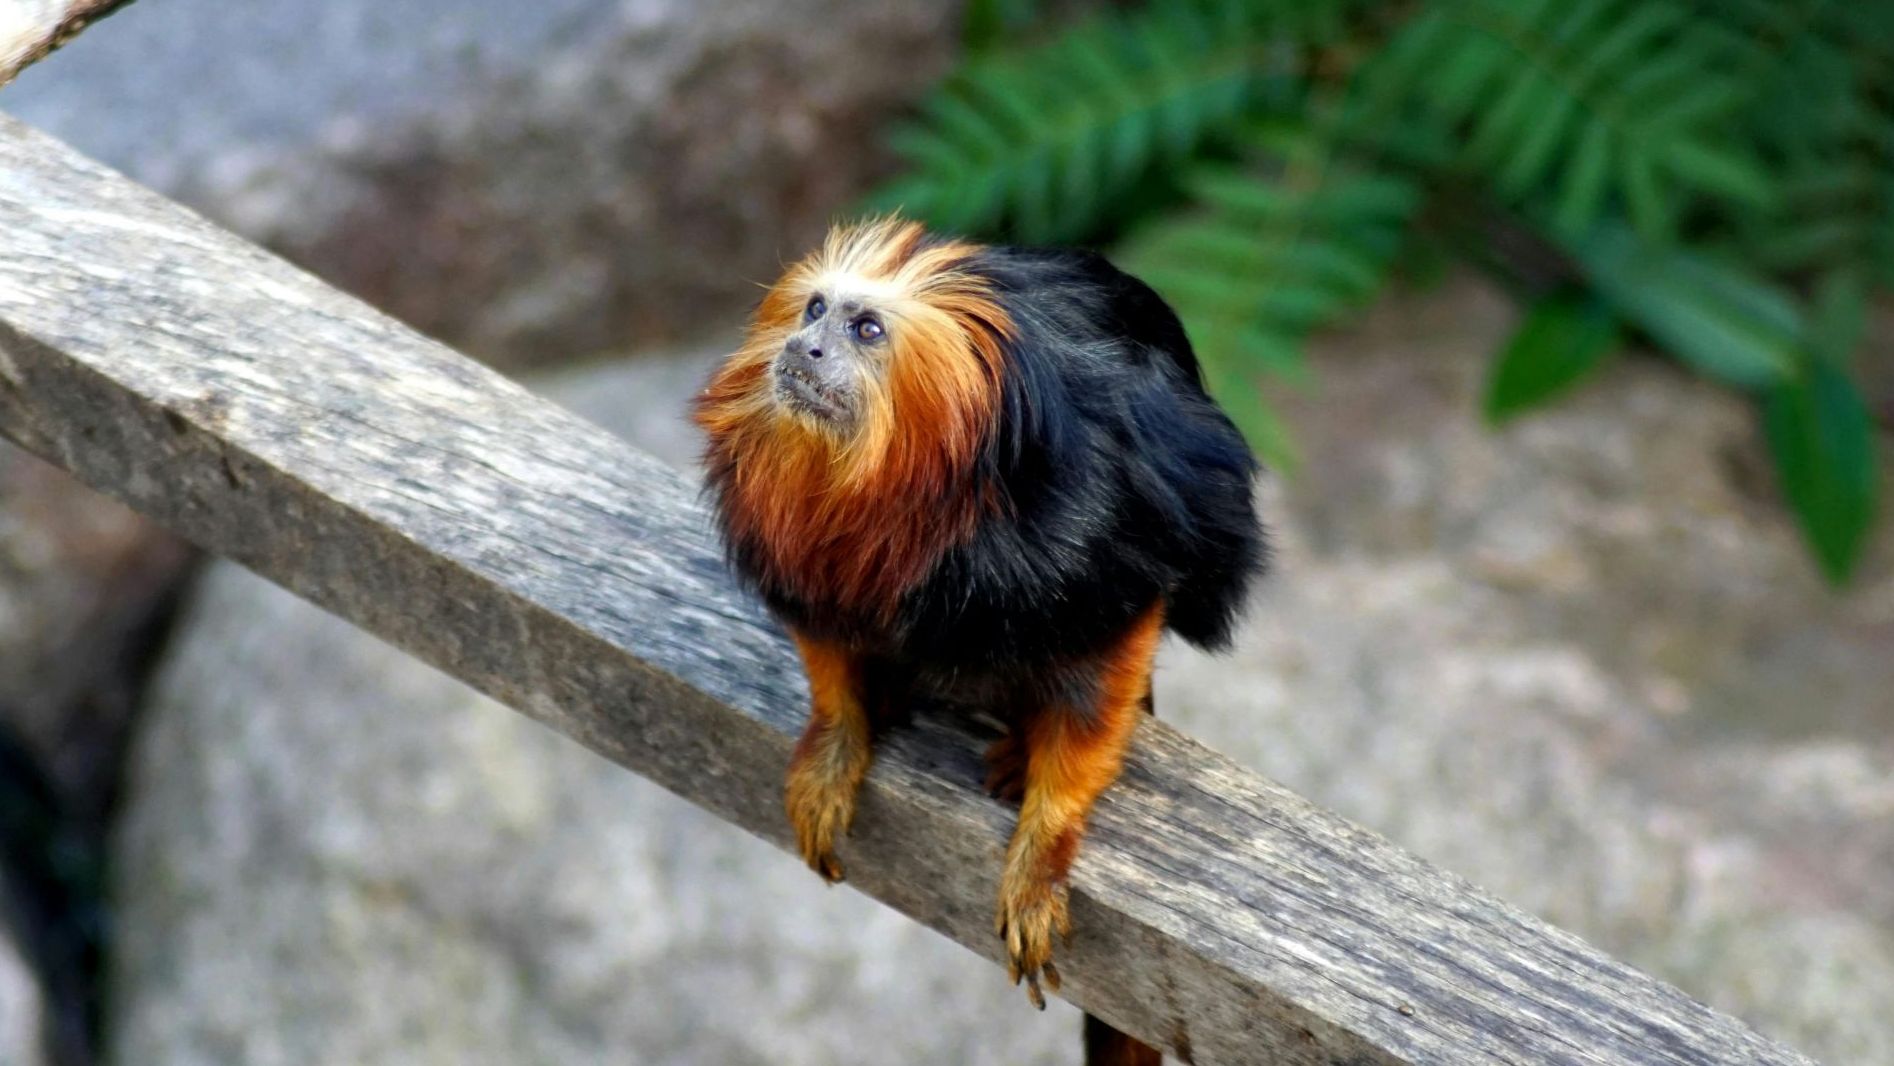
(1032, 908)
(824, 776)
(831, 758)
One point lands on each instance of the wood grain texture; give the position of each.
(401, 486)
(32, 29)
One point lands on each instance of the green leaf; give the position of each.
(1822, 439)
(1712, 315)
(1563, 339)
(1719, 169)
(1583, 188)
(1651, 207)
(1841, 313)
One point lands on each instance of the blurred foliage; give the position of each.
(1714, 177)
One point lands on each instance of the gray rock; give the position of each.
(23, 1035)
(526, 181)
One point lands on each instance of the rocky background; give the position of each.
(1583, 661)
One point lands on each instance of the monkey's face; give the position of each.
(835, 356)
(873, 364)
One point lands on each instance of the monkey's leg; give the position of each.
(832, 757)
(1072, 753)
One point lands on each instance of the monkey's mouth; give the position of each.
(796, 390)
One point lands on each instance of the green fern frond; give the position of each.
(1568, 104)
(1270, 253)
(1717, 175)
(1824, 114)
(1836, 212)
(1042, 140)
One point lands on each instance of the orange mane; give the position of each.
(855, 520)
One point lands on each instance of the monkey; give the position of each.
(985, 477)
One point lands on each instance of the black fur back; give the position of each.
(1123, 482)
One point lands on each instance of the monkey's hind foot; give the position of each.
(1031, 910)
(821, 805)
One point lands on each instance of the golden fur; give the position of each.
(854, 518)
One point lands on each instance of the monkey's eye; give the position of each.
(868, 330)
(816, 309)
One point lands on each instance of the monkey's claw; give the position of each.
(1029, 914)
(824, 863)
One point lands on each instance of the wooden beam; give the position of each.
(30, 30)
(330, 449)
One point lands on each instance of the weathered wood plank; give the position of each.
(280, 423)
(32, 29)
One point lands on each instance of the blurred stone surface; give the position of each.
(1582, 660)
(23, 1036)
(83, 581)
(525, 181)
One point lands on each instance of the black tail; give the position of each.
(1105, 1046)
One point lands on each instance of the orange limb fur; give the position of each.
(1071, 755)
(832, 757)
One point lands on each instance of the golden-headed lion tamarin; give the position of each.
(985, 477)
